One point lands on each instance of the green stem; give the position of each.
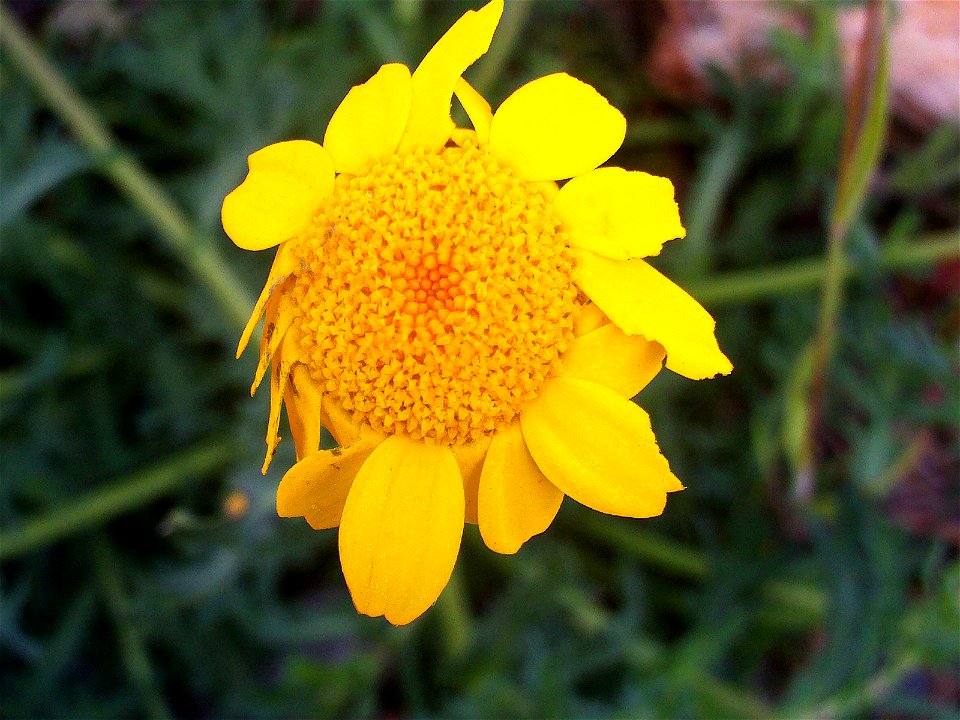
(140, 188)
(454, 616)
(654, 549)
(102, 504)
(133, 652)
(803, 275)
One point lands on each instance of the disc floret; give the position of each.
(436, 294)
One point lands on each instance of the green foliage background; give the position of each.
(127, 589)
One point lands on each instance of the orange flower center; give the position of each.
(435, 294)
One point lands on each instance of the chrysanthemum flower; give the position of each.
(470, 333)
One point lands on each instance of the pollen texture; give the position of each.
(434, 294)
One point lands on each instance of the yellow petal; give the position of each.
(436, 76)
(279, 317)
(607, 355)
(619, 214)
(516, 501)
(284, 263)
(461, 136)
(478, 109)
(556, 127)
(470, 459)
(339, 422)
(316, 488)
(370, 120)
(641, 301)
(278, 385)
(597, 448)
(590, 318)
(302, 398)
(285, 184)
(401, 528)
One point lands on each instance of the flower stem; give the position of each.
(102, 504)
(645, 545)
(454, 616)
(802, 275)
(129, 177)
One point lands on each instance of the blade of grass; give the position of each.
(409, 12)
(805, 599)
(100, 505)
(705, 199)
(796, 414)
(195, 251)
(379, 33)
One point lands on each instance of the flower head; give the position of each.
(469, 332)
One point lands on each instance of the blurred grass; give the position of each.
(127, 584)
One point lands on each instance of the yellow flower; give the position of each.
(469, 332)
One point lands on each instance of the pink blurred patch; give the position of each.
(734, 35)
(731, 34)
(924, 58)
